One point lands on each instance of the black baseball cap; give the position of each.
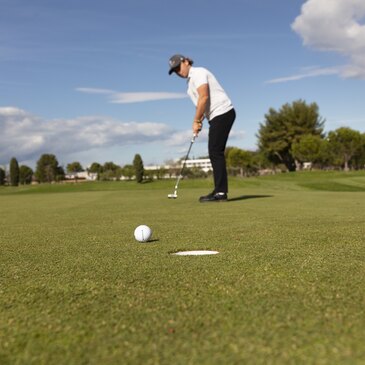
(175, 61)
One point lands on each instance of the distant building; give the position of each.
(157, 167)
(83, 175)
(201, 163)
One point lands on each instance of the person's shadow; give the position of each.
(245, 197)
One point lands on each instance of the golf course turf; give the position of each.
(287, 287)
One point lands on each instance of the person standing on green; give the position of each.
(212, 103)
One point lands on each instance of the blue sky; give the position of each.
(87, 80)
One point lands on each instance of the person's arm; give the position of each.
(203, 100)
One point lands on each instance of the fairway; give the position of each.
(287, 286)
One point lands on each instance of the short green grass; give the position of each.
(288, 286)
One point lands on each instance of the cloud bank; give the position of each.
(116, 97)
(26, 136)
(335, 26)
(305, 73)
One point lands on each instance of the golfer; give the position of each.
(211, 103)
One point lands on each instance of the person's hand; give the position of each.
(197, 126)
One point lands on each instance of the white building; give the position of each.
(156, 167)
(83, 175)
(201, 163)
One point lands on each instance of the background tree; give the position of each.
(107, 175)
(161, 172)
(14, 172)
(359, 157)
(47, 169)
(325, 159)
(307, 148)
(96, 168)
(2, 176)
(60, 174)
(25, 175)
(241, 160)
(138, 168)
(74, 167)
(345, 143)
(111, 171)
(282, 128)
(195, 173)
(110, 166)
(128, 171)
(261, 161)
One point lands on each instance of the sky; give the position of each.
(87, 80)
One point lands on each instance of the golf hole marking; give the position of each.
(195, 253)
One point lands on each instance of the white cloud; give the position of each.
(307, 72)
(116, 97)
(335, 26)
(26, 136)
(182, 138)
(125, 98)
(92, 90)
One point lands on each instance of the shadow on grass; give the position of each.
(245, 197)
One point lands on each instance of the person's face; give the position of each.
(183, 69)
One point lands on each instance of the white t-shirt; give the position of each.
(219, 103)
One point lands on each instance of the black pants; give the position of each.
(219, 129)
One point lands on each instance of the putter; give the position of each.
(174, 195)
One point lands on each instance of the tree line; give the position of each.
(293, 136)
(48, 170)
(288, 138)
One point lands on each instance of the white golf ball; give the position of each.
(142, 233)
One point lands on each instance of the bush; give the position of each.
(138, 168)
(25, 175)
(14, 172)
(2, 176)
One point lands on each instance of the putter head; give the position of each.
(172, 196)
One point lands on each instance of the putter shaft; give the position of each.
(182, 169)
